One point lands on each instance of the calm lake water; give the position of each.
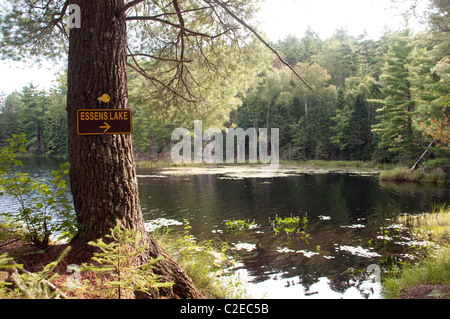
(350, 223)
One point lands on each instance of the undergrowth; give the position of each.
(434, 269)
(400, 174)
(208, 263)
(112, 274)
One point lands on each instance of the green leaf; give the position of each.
(61, 184)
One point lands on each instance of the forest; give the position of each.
(342, 98)
(385, 100)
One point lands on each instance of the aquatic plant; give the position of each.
(238, 226)
(291, 225)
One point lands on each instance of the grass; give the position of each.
(340, 164)
(401, 174)
(434, 269)
(165, 163)
(205, 262)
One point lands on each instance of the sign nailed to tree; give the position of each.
(103, 121)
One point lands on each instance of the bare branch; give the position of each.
(154, 80)
(178, 26)
(62, 13)
(182, 32)
(129, 5)
(159, 58)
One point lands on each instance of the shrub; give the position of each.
(43, 208)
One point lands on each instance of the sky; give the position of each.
(278, 18)
(281, 17)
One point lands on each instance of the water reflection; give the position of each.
(345, 216)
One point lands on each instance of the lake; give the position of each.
(349, 225)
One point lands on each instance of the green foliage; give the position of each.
(304, 50)
(434, 268)
(411, 88)
(238, 226)
(379, 99)
(202, 78)
(55, 122)
(10, 229)
(40, 115)
(401, 174)
(208, 263)
(9, 117)
(32, 29)
(5, 267)
(119, 260)
(291, 225)
(43, 208)
(31, 118)
(341, 127)
(395, 112)
(375, 96)
(343, 70)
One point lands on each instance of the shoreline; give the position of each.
(426, 277)
(256, 170)
(385, 172)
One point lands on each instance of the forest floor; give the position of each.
(34, 261)
(426, 292)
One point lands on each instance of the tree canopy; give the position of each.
(190, 60)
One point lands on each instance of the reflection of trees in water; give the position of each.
(208, 201)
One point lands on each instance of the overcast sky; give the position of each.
(281, 17)
(278, 18)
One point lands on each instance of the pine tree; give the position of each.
(115, 258)
(395, 114)
(32, 116)
(339, 57)
(9, 117)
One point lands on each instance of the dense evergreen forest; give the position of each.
(383, 100)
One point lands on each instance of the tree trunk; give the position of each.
(421, 158)
(102, 176)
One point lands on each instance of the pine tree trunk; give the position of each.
(102, 175)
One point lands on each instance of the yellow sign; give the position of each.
(104, 98)
(100, 122)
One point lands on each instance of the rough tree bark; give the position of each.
(102, 177)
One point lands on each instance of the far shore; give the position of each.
(386, 172)
(261, 170)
